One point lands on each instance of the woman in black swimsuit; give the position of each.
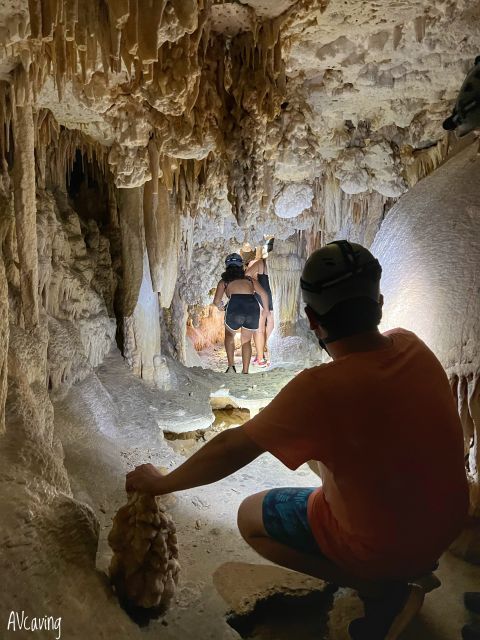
(242, 311)
(258, 270)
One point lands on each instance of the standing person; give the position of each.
(242, 312)
(258, 269)
(382, 421)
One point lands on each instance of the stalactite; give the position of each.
(284, 268)
(141, 329)
(419, 164)
(151, 213)
(163, 236)
(254, 76)
(130, 204)
(353, 216)
(25, 206)
(4, 336)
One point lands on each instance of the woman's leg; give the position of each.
(246, 337)
(269, 326)
(259, 338)
(230, 346)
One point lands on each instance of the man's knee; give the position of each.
(250, 517)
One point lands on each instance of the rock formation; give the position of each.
(144, 567)
(429, 247)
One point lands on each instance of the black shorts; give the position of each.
(242, 310)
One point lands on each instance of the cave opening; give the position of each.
(206, 325)
(88, 189)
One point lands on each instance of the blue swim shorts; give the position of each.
(285, 518)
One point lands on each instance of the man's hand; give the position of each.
(224, 454)
(146, 479)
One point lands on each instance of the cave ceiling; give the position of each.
(278, 92)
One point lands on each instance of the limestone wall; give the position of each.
(429, 248)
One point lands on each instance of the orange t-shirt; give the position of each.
(385, 428)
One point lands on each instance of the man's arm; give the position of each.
(223, 455)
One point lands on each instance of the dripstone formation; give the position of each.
(144, 568)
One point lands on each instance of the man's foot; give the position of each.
(472, 601)
(263, 363)
(428, 582)
(471, 631)
(231, 369)
(387, 617)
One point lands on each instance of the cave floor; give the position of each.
(215, 358)
(109, 422)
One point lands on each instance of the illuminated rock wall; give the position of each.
(429, 248)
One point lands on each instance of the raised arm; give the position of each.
(252, 269)
(217, 300)
(223, 455)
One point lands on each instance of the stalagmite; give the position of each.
(25, 208)
(144, 569)
(284, 267)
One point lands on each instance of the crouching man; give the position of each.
(381, 420)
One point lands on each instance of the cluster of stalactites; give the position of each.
(19, 92)
(253, 86)
(56, 150)
(357, 216)
(182, 178)
(466, 389)
(421, 163)
(254, 70)
(81, 37)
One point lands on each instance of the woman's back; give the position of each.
(242, 285)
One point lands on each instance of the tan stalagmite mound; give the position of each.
(144, 569)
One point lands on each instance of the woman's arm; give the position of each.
(223, 455)
(217, 300)
(262, 293)
(252, 270)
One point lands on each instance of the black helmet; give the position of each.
(339, 271)
(466, 113)
(234, 260)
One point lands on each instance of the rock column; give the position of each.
(26, 210)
